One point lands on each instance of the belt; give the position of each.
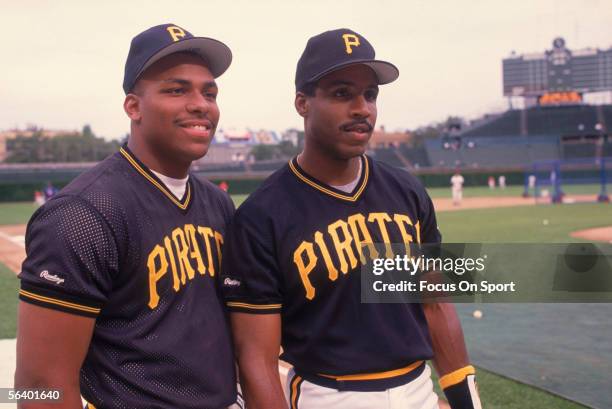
(366, 382)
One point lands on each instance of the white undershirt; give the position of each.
(349, 187)
(176, 186)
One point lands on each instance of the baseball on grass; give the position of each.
(477, 314)
(545, 222)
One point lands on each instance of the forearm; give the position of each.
(447, 340)
(260, 382)
(70, 392)
(457, 377)
(257, 345)
(51, 347)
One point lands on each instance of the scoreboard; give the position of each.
(558, 75)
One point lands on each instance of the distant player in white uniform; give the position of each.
(457, 188)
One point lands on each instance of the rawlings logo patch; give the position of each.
(51, 277)
(231, 283)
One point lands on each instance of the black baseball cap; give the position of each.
(159, 41)
(335, 49)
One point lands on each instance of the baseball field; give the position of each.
(535, 355)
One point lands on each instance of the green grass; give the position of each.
(522, 223)
(498, 392)
(9, 287)
(238, 199)
(504, 225)
(16, 212)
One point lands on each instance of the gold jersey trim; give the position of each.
(254, 306)
(308, 180)
(296, 382)
(456, 377)
(376, 375)
(155, 183)
(61, 303)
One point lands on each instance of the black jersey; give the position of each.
(115, 244)
(295, 247)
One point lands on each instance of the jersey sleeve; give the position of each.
(229, 207)
(250, 279)
(429, 227)
(71, 258)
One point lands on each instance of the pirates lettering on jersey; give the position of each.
(182, 252)
(346, 239)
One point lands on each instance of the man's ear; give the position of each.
(131, 106)
(302, 104)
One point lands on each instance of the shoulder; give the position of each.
(258, 209)
(103, 190)
(112, 180)
(94, 177)
(209, 188)
(384, 173)
(214, 193)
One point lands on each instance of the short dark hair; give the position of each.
(308, 89)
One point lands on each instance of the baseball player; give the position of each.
(118, 291)
(293, 251)
(457, 187)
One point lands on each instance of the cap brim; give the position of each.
(217, 55)
(385, 71)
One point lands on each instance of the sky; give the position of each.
(62, 61)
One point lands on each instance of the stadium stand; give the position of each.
(557, 121)
(388, 155)
(519, 137)
(562, 120)
(606, 112)
(607, 149)
(270, 165)
(417, 157)
(494, 151)
(506, 124)
(580, 150)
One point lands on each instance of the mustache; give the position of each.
(348, 125)
(199, 118)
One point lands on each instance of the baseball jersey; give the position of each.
(295, 247)
(117, 246)
(457, 181)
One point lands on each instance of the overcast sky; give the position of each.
(62, 61)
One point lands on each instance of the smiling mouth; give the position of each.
(198, 127)
(361, 128)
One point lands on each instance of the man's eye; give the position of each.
(211, 95)
(371, 95)
(341, 93)
(175, 91)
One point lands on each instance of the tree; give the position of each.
(263, 152)
(287, 149)
(83, 147)
(87, 132)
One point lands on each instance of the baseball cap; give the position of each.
(157, 42)
(335, 49)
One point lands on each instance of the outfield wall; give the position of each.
(20, 184)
